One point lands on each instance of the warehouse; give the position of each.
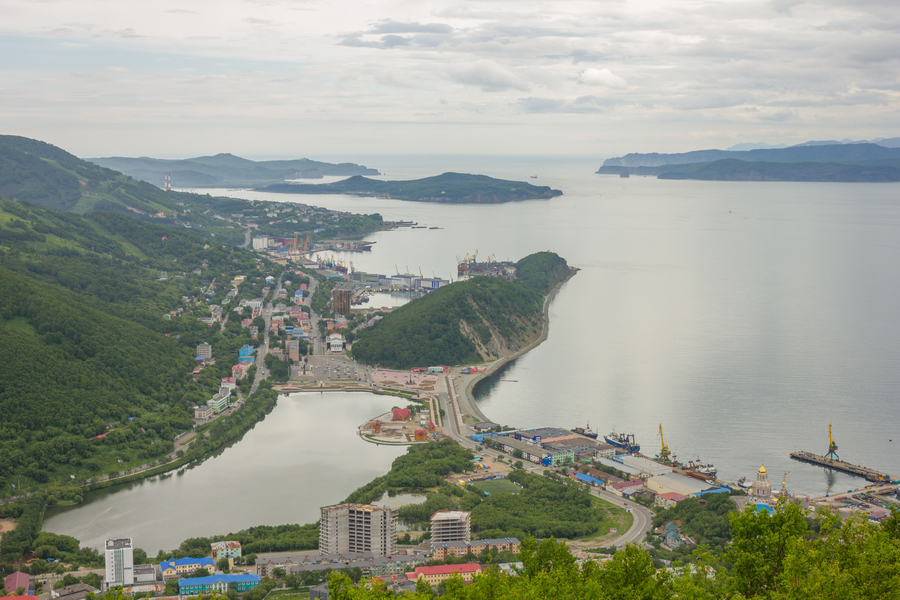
(673, 482)
(645, 466)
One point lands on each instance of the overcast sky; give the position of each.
(267, 78)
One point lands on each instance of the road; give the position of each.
(263, 349)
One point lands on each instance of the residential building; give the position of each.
(340, 301)
(228, 382)
(450, 526)
(444, 549)
(76, 591)
(261, 242)
(435, 575)
(217, 583)
(119, 563)
(204, 350)
(171, 569)
(245, 353)
(221, 550)
(294, 350)
(357, 528)
(669, 499)
(15, 581)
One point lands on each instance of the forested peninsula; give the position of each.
(851, 163)
(449, 188)
(476, 320)
(226, 170)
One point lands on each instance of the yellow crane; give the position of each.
(832, 447)
(664, 454)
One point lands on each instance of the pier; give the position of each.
(840, 465)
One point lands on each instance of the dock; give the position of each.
(840, 465)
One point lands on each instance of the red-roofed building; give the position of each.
(421, 435)
(625, 488)
(435, 575)
(400, 414)
(15, 581)
(669, 499)
(431, 427)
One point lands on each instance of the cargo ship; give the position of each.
(586, 431)
(624, 441)
(707, 470)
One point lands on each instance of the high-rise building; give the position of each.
(357, 528)
(119, 563)
(204, 350)
(340, 302)
(450, 526)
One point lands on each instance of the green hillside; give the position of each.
(468, 321)
(226, 170)
(451, 188)
(86, 349)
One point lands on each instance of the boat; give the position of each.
(624, 441)
(586, 431)
(706, 470)
(742, 482)
(534, 176)
(624, 175)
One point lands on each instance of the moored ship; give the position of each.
(586, 431)
(624, 441)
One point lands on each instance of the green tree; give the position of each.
(759, 545)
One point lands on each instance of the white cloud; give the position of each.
(602, 77)
(487, 76)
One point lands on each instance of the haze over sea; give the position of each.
(742, 316)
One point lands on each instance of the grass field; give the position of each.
(498, 486)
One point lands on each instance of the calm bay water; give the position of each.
(304, 455)
(743, 317)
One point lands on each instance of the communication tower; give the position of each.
(168, 183)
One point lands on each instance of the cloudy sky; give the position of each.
(266, 78)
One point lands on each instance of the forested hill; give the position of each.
(450, 188)
(476, 320)
(838, 162)
(226, 170)
(86, 350)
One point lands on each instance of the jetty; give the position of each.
(840, 465)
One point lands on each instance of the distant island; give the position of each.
(450, 188)
(476, 320)
(826, 163)
(226, 170)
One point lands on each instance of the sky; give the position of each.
(291, 78)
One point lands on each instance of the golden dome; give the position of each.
(762, 470)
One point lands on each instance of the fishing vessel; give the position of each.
(624, 441)
(586, 431)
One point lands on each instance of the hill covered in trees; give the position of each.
(86, 349)
(827, 162)
(450, 188)
(226, 170)
(476, 320)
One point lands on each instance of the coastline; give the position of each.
(466, 402)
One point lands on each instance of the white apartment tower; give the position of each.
(357, 528)
(450, 526)
(119, 563)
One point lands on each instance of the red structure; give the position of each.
(421, 435)
(168, 183)
(400, 414)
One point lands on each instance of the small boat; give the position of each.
(624, 441)
(534, 176)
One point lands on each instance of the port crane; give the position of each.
(832, 447)
(664, 454)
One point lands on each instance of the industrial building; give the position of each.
(680, 484)
(646, 467)
(530, 451)
(576, 445)
(450, 526)
(357, 528)
(119, 563)
(544, 435)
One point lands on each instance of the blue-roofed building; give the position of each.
(218, 583)
(245, 354)
(170, 569)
